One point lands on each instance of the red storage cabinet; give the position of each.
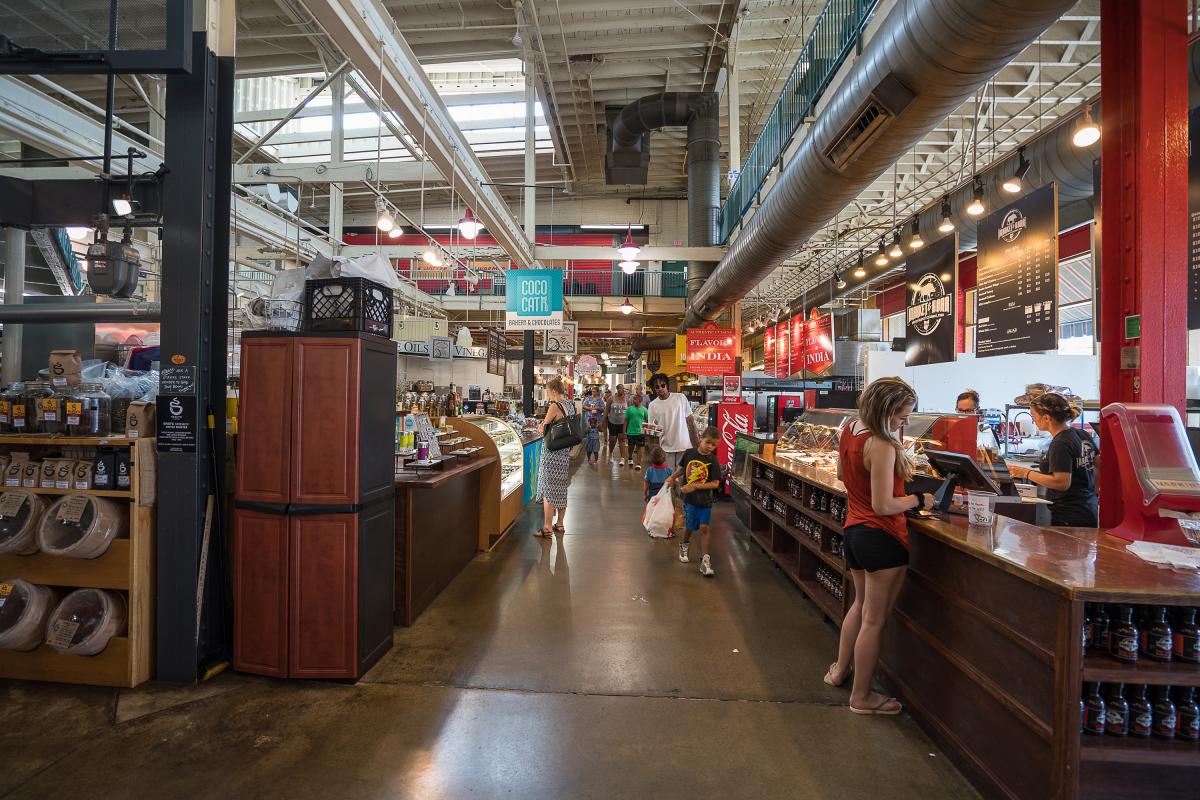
(260, 587)
(322, 623)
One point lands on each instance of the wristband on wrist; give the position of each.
(920, 500)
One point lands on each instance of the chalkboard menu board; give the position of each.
(1193, 219)
(931, 280)
(1017, 290)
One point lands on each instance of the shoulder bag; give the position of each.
(564, 432)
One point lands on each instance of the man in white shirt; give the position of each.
(671, 414)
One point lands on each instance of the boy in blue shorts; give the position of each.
(699, 474)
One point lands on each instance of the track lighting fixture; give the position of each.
(881, 258)
(1087, 132)
(383, 220)
(916, 242)
(896, 251)
(947, 223)
(976, 207)
(1013, 184)
(838, 280)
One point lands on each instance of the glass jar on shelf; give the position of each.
(88, 411)
(27, 415)
(51, 412)
(9, 396)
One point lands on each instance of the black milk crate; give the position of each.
(348, 304)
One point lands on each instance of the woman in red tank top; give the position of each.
(873, 466)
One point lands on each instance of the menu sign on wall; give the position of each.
(712, 351)
(797, 329)
(769, 350)
(818, 344)
(1193, 219)
(1017, 291)
(931, 275)
(782, 350)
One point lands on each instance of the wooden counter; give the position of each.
(437, 532)
(985, 646)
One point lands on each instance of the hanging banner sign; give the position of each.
(1017, 290)
(497, 345)
(931, 276)
(1193, 220)
(712, 351)
(818, 344)
(731, 387)
(587, 366)
(533, 299)
(782, 349)
(769, 350)
(562, 342)
(796, 331)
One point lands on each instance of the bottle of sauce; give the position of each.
(1093, 709)
(1187, 714)
(1160, 639)
(1123, 638)
(1187, 637)
(1141, 712)
(1116, 711)
(1088, 621)
(1165, 719)
(1101, 626)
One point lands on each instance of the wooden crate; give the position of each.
(127, 566)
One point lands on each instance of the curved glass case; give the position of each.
(508, 446)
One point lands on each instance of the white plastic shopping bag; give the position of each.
(659, 514)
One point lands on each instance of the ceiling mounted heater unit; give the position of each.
(882, 106)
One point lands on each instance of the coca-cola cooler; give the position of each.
(732, 418)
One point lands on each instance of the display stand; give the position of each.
(127, 566)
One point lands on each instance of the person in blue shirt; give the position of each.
(658, 472)
(593, 441)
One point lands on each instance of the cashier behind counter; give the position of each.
(968, 402)
(1068, 469)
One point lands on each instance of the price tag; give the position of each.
(18, 415)
(61, 633)
(5, 411)
(74, 412)
(49, 410)
(72, 507)
(5, 591)
(11, 504)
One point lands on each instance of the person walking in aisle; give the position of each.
(639, 397)
(616, 425)
(671, 413)
(554, 473)
(698, 474)
(873, 465)
(635, 418)
(592, 438)
(593, 406)
(604, 420)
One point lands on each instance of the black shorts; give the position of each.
(615, 429)
(636, 439)
(872, 549)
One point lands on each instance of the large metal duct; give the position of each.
(80, 312)
(927, 59)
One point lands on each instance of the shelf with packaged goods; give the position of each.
(1099, 667)
(123, 494)
(126, 566)
(824, 600)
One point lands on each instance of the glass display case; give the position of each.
(508, 447)
(813, 438)
(746, 445)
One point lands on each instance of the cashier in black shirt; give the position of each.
(1068, 469)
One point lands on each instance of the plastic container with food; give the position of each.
(20, 514)
(79, 525)
(84, 622)
(24, 609)
(88, 411)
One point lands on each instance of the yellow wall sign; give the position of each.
(680, 348)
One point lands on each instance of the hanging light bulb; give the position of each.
(431, 257)
(1087, 132)
(881, 258)
(916, 242)
(947, 223)
(627, 307)
(628, 249)
(838, 280)
(859, 271)
(122, 206)
(1013, 184)
(629, 267)
(396, 232)
(383, 220)
(468, 226)
(896, 251)
(976, 206)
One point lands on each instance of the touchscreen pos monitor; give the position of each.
(957, 470)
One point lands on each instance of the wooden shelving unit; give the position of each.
(127, 566)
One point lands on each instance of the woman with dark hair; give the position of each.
(873, 464)
(554, 472)
(1068, 468)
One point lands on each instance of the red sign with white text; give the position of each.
(818, 344)
(796, 329)
(731, 388)
(712, 351)
(782, 348)
(769, 351)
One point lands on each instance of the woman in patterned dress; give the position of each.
(554, 474)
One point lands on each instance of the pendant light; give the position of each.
(1087, 132)
(396, 232)
(838, 280)
(881, 258)
(916, 242)
(629, 267)
(947, 223)
(859, 271)
(431, 257)
(468, 226)
(628, 249)
(626, 307)
(976, 207)
(383, 220)
(1013, 184)
(896, 251)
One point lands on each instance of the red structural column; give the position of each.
(1143, 200)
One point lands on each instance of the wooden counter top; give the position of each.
(431, 479)
(1081, 563)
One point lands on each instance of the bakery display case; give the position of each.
(813, 438)
(500, 485)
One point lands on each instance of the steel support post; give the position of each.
(527, 374)
(199, 137)
(1143, 198)
(14, 294)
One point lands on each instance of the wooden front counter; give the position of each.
(437, 532)
(985, 646)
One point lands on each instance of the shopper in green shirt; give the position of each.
(635, 418)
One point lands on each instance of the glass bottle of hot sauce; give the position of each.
(1123, 639)
(1160, 639)
(1101, 626)
(1116, 710)
(1187, 637)
(1165, 717)
(1187, 713)
(1093, 709)
(1141, 712)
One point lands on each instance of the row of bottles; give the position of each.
(806, 525)
(837, 545)
(1127, 633)
(827, 503)
(795, 488)
(831, 581)
(1116, 710)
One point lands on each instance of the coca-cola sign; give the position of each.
(732, 419)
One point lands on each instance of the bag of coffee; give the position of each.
(65, 368)
(13, 472)
(139, 421)
(103, 467)
(122, 466)
(49, 473)
(4, 462)
(64, 473)
(82, 477)
(31, 474)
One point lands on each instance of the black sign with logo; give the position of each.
(1194, 219)
(177, 423)
(931, 277)
(1017, 290)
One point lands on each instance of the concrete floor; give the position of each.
(592, 666)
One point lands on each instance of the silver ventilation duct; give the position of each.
(927, 59)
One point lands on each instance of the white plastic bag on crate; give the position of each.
(289, 285)
(659, 514)
(373, 267)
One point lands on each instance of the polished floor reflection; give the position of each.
(594, 665)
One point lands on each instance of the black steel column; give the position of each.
(199, 131)
(527, 375)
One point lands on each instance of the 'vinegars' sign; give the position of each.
(712, 351)
(931, 276)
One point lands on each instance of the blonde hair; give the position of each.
(882, 400)
(557, 386)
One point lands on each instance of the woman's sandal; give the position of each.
(829, 676)
(888, 707)
(544, 533)
(559, 529)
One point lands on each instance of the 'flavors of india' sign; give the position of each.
(533, 299)
(712, 351)
(818, 344)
